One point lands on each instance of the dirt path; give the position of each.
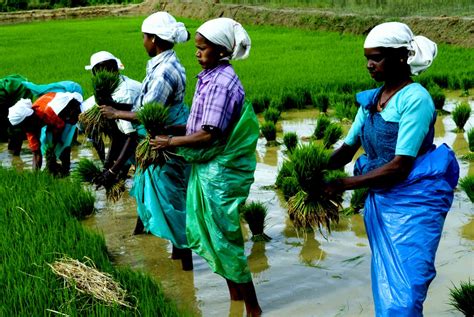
(451, 30)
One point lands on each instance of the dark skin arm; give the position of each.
(342, 156)
(200, 138)
(112, 113)
(128, 148)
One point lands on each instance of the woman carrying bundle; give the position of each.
(221, 137)
(51, 119)
(160, 191)
(410, 180)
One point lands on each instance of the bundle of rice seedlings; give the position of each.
(268, 130)
(104, 84)
(290, 139)
(272, 114)
(290, 187)
(86, 171)
(461, 114)
(321, 101)
(345, 111)
(260, 103)
(321, 126)
(86, 279)
(153, 116)
(470, 139)
(332, 134)
(52, 165)
(286, 170)
(467, 184)
(462, 298)
(255, 214)
(357, 201)
(311, 206)
(437, 95)
(115, 191)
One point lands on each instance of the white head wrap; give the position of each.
(103, 56)
(165, 27)
(422, 51)
(229, 34)
(19, 111)
(61, 100)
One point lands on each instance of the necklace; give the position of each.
(381, 104)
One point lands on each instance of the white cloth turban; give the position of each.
(165, 27)
(422, 51)
(103, 56)
(229, 34)
(19, 111)
(61, 100)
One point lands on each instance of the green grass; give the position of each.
(461, 114)
(467, 184)
(290, 139)
(38, 227)
(470, 139)
(268, 130)
(285, 63)
(462, 298)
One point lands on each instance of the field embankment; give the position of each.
(446, 29)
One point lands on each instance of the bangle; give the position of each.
(169, 140)
(112, 172)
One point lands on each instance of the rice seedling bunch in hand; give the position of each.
(461, 114)
(153, 116)
(104, 84)
(467, 184)
(290, 139)
(86, 171)
(321, 126)
(311, 206)
(332, 134)
(255, 214)
(462, 298)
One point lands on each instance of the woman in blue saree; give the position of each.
(410, 180)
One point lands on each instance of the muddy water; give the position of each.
(296, 273)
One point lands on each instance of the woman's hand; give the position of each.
(108, 112)
(333, 187)
(160, 142)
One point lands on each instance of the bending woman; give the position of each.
(160, 192)
(221, 137)
(411, 181)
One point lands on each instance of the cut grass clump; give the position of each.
(269, 131)
(153, 116)
(321, 101)
(290, 139)
(467, 184)
(311, 206)
(461, 114)
(437, 95)
(462, 298)
(332, 134)
(321, 126)
(272, 114)
(470, 139)
(255, 214)
(39, 222)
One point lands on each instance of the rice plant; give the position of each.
(290, 139)
(272, 114)
(292, 100)
(286, 170)
(52, 165)
(260, 103)
(470, 139)
(437, 95)
(467, 184)
(321, 125)
(332, 134)
(321, 101)
(462, 298)
(311, 206)
(290, 186)
(153, 116)
(357, 201)
(461, 114)
(104, 84)
(345, 111)
(255, 214)
(269, 131)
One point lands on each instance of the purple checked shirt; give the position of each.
(218, 99)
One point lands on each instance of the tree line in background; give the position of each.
(16, 5)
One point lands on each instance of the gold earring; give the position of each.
(153, 40)
(221, 54)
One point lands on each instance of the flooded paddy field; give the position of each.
(297, 273)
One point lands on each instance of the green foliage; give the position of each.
(86, 171)
(470, 139)
(345, 111)
(16, 5)
(268, 130)
(309, 162)
(461, 114)
(292, 99)
(260, 103)
(467, 184)
(290, 139)
(438, 96)
(462, 298)
(286, 170)
(153, 116)
(38, 222)
(290, 187)
(332, 134)
(321, 125)
(272, 114)
(357, 201)
(255, 214)
(321, 101)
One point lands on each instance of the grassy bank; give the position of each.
(283, 61)
(37, 228)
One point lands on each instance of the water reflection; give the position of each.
(467, 231)
(257, 259)
(460, 145)
(357, 226)
(271, 155)
(439, 127)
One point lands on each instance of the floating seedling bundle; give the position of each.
(255, 214)
(462, 298)
(87, 171)
(104, 84)
(153, 116)
(311, 206)
(290, 139)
